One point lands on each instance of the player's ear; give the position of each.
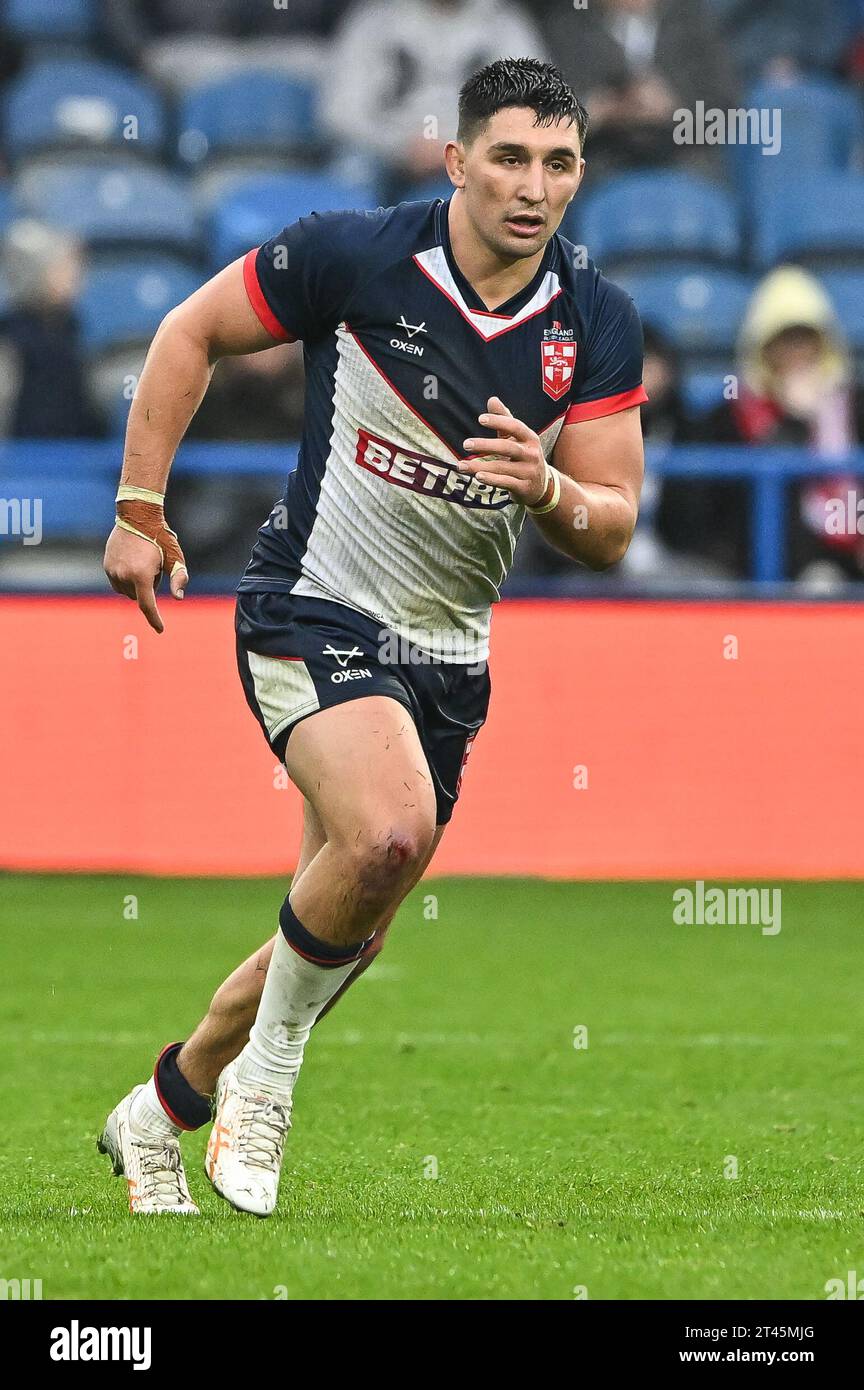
(454, 162)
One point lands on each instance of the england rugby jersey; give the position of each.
(401, 357)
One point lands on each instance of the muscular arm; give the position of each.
(601, 463)
(216, 321)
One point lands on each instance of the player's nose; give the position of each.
(533, 189)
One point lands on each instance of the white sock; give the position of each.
(147, 1117)
(295, 991)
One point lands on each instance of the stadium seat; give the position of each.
(109, 203)
(252, 111)
(821, 128)
(657, 215)
(821, 131)
(5, 206)
(124, 302)
(50, 19)
(699, 309)
(815, 219)
(437, 187)
(261, 207)
(79, 104)
(77, 502)
(702, 390)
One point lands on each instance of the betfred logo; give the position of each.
(429, 476)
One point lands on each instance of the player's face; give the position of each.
(519, 178)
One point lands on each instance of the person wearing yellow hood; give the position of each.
(795, 386)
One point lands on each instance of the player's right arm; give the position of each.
(216, 321)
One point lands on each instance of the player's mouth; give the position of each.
(526, 224)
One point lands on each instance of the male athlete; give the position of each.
(464, 365)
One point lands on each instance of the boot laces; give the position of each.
(264, 1124)
(162, 1167)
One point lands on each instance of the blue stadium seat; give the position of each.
(77, 503)
(821, 126)
(813, 219)
(5, 206)
(261, 207)
(110, 203)
(699, 309)
(50, 19)
(125, 301)
(656, 215)
(846, 291)
(80, 103)
(426, 189)
(247, 111)
(702, 390)
(821, 130)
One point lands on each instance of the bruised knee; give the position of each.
(384, 862)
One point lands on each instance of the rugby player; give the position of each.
(465, 365)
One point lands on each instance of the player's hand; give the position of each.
(514, 459)
(134, 566)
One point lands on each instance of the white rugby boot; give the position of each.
(153, 1167)
(244, 1153)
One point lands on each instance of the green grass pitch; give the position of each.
(559, 1168)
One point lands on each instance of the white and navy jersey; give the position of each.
(401, 357)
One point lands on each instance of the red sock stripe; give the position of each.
(316, 960)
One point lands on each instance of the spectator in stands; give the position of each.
(395, 73)
(254, 398)
(795, 387)
(44, 395)
(634, 63)
(133, 23)
(186, 41)
(664, 419)
(853, 58)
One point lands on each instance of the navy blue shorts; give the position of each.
(299, 655)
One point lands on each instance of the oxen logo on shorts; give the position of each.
(356, 673)
(558, 360)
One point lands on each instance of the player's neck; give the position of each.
(493, 279)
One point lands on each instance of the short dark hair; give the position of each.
(518, 82)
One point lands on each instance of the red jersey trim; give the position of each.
(607, 405)
(256, 298)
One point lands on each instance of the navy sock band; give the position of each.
(180, 1101)
(311, 947)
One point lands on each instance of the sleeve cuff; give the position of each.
(606, 405)
(256, 298)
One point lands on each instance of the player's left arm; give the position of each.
(601, 464)
(592, 489)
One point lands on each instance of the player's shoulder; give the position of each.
(373, 236)
(597, 298)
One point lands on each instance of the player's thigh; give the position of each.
(363, 770)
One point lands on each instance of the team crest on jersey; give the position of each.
(558, 360)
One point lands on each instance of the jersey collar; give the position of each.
(473, 302)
